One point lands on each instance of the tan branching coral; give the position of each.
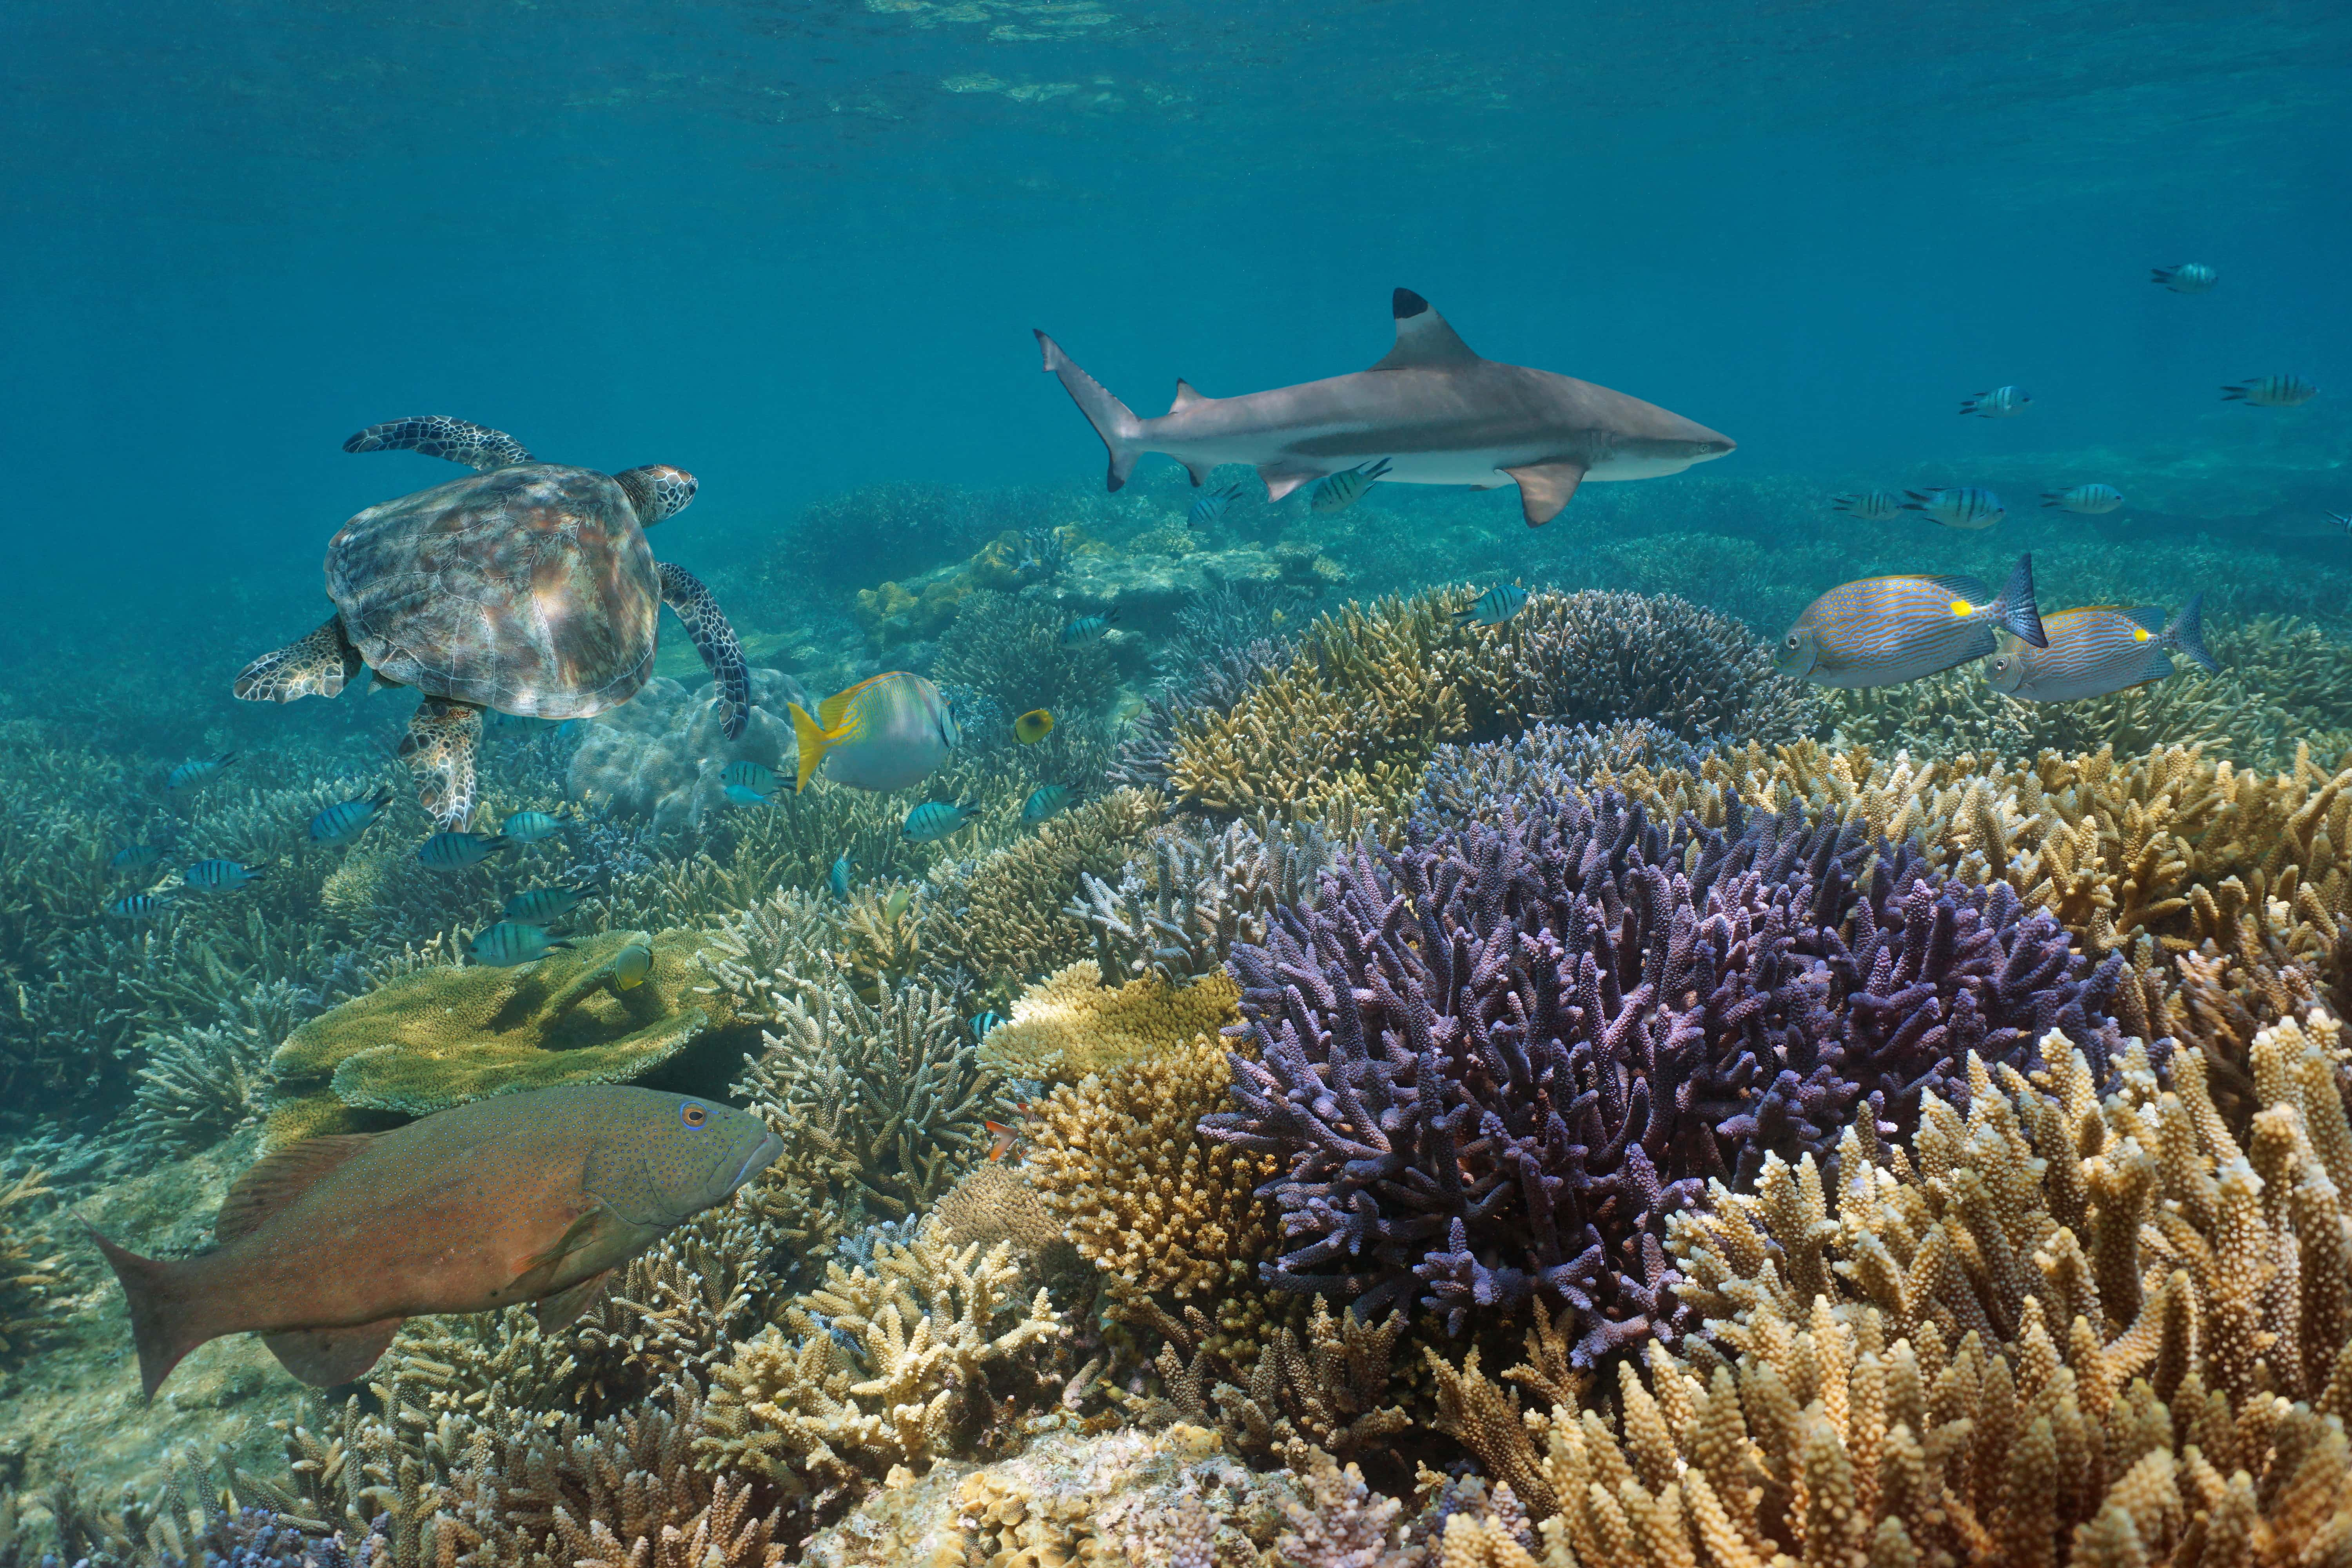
(1005, 919)
(1072, 1024)
(939, 1341)
(1141, 1194)
(30, 1276)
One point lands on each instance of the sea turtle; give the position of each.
(528, 588)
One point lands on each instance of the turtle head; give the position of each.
(657, 492)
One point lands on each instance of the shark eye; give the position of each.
(692, 1114)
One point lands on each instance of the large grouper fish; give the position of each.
(325, 1247)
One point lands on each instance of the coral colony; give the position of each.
(1436, 1090)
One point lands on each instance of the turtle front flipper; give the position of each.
(314, 666)
(477, 446)
(440, 745)
(706, 623)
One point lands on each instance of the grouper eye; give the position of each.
(692, 1114)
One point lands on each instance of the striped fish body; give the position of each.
(2270, 392)
(1337, 492)
(1495, 605)
(2001, 403)
(136, 906)
(934, 819)
(1211, 505)
(2188, 278)
(2087, 501)
(455, 851)
(218, 876)
(759, 780)
(837, 880)
(198, 772)
(1085, 628)
(1870, 506)
(135, 856)
(1882, 631)
(741, 795)
(530, 826)
(2092, 652)
(983, 1022)
(540, 905)
(510, 942)
(1966, 506)
(344, 822)
(1046, 801)
(881, 734)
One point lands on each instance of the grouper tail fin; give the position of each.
(1114, 421)
(162, 1323)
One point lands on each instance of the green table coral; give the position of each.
(444, 1037)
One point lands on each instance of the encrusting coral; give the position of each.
(1494, 1064)
(1071, 1024)
(900, 1362)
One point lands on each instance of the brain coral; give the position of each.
(1369, 692)
(1494, 1062)
(660, 755)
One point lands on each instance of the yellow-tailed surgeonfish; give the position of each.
(880, 735)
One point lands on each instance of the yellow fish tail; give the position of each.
(812, 741)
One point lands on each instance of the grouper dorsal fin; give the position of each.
(1423, 340)
(279, 1179)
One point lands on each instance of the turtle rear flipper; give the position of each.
(440, 745)
(706, 623)
(477, 446)
(314, 666)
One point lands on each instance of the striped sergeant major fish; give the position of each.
(197, 771)
(2188, 278)
(1495, 605)
(218, 876)
(1963, 505)
(2085, 501)
(1338, 492)
(510, 943)
(344, 822)
(2271, 391)
(1870, 506)
(1882, 631)
(454, 851)
(2001, 403)
(2101, 648)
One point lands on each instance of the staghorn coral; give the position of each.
(444, 1036)
(1494, 1064)
(2070, 1332)
(27, 1279)
(1005, 919)
(1139, 1192)
(1177, 911)
(201, 1085)
(935, 1355)
(1071, 1024)
(1009, 648)
(880, 1106)
(1369, 692)
(659, 755)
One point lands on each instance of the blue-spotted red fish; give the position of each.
(1495, 605)
(2099, 649)
(2001, 403)
(934, 819)
(343, 822)
(538, 1198)
(1881, 631)
(2270, 392)
(1963, 505)
(1870, 506)
(2188, 278)
(883, 733)
(196, 772)
(2085, 501)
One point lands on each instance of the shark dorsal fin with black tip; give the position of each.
(1186, 397)
(1423, 340)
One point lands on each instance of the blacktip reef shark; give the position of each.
(1437, 412)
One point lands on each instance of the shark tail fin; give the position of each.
(811, 742)
(2015, 612)
(1114, 421)
(2185, 635)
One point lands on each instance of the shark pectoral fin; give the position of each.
(1280, 482)
(1544, 489)
(325, 1357)
(1200, 472)
(1423, 340)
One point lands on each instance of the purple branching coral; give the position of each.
(1495, 1061)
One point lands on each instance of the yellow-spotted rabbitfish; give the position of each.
(1870, 506)
(2085, 501)
(510, 943)
(452, 851)
(1882, 631)
(344, 822)
(1495, 605)
(218, 876)
(884, 734)
(1033, 726)
(2270, 392)
(1046, 802)
(197, 773)
(2099, 649)
(530, 826)
(540, 905)
(934, 819)
(631, 966)
(1964, 506)
(1338, 492)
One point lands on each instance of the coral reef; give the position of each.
(27, 1279)
(659, 755)
(1009, 648)
(444, 1036)
(1178, 908)
(1071, 1025)
(1369, 692)
(1005, 920)
(1494, 1064)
